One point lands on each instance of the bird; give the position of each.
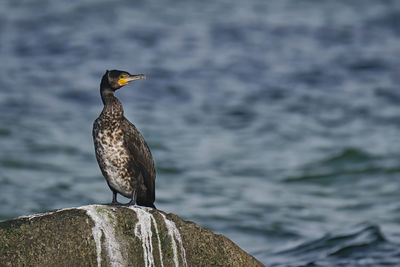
(122, 153)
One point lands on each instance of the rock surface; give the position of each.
(101, 235)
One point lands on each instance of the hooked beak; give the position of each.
(135, 77)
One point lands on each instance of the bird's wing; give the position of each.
(142, 159)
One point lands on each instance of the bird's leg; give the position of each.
(114, 200)
(133, 199)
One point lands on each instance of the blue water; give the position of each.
(275, 123)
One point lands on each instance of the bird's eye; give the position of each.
(123, 76)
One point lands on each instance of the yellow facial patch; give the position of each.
(122, 82)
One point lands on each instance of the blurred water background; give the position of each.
(275, 123)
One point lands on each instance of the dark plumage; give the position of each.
(121, 151)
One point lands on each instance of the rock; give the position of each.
(114, 236)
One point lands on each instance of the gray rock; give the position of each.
(100, 235)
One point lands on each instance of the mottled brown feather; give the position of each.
(142, 161)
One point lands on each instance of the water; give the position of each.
(275, 123)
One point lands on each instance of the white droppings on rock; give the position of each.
(144, 233)
(32, 216)
(104, 225)
(38, 215)
(173, 232)
(158, 239)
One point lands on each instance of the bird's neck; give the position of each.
(107, 96)
(112, 106)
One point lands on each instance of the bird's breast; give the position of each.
(113, 158)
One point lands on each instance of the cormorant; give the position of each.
(121, 151)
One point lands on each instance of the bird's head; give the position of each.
(115, 79)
